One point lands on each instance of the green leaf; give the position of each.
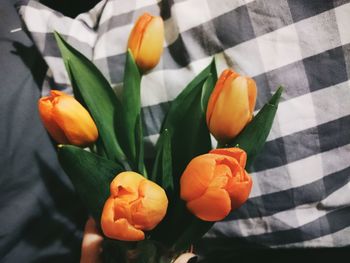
(140, 148)
(208, 88)
(186, 123)
(95, 92)
(253, 137)
(162, 169)
(195, 230)
(131, 102)
(162, 174)
(90, 174)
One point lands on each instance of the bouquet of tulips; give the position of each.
(155, 212)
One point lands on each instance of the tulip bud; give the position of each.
(67, 121)
(146, 41)
(215, 183)
(231, 105)
(135, 204)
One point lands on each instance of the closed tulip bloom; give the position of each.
(215, 183)
(231, 105)
(135, 205)
(67, 121)
(146, 41)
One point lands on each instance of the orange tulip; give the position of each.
(215, 183)
(231, 105)
(135, 204)
(146, 41)
(67, 121)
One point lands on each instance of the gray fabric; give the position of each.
(41, 218)
(299, 180)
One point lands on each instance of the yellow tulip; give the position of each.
(213, 184)
(146, 41)
(231, 105)
(67, 121)
(135, 205)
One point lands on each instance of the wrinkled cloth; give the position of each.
(300, 195)
(41, 217)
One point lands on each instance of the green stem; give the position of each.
(221, 145)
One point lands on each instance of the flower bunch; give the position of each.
(190, 185)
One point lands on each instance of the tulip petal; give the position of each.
(122, 209)
(217, 90)
(151, 208)
(126, 185)
(236, 153)
(214, 205)
(124, 231)
(45, 110)
(221, 175)
(136, 34)
(252, 94)
(74, 120)
(108, 211)
(151, 46)
(56, 93)
(197, 176)
(119, 229)
(231, 112)
(239, 188)
(137, 204)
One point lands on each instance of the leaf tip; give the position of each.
(213, 65)
(280, 89)
(57, 36)
(276, 97)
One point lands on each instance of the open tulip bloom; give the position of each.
(156, 215)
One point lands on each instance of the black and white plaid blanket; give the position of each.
(301, 191)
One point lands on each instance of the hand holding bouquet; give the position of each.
(154, 213)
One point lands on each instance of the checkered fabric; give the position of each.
(301, 192)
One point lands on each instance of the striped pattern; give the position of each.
(301, 192)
